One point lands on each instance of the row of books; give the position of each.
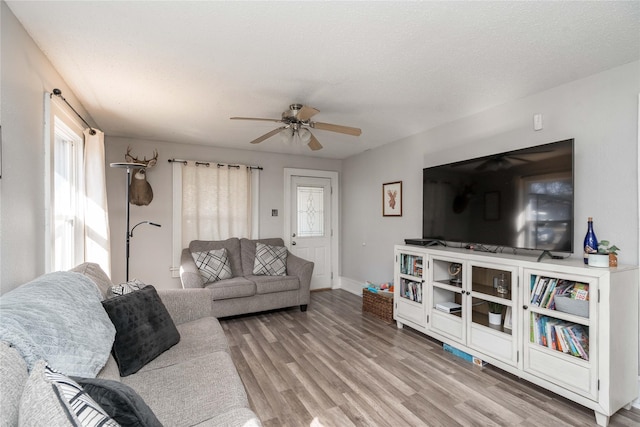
(411, 264)
(559, 335)
(544, 290)
(411, 290)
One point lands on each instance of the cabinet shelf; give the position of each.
(481, 289)
(572, 318)
(410, 277)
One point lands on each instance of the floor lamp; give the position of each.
(129, 167)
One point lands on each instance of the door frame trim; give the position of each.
(335, 223)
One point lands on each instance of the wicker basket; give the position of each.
(378, 304)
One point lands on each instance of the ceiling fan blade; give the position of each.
(255, 118)
(306, 113)
(268, 135)
(336, 128)
(314, 144)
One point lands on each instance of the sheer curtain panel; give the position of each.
(96, 230)
(216, 201)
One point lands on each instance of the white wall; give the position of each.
(600, 112)
(150, 247)
(26, 75)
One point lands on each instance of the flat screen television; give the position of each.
(517, 199)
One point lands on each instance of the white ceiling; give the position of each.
(176, 71)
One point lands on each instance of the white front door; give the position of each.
(310, 226)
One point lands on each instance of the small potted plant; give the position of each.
(606, 248)
(495, 313)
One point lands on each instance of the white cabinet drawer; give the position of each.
(574, 375)
(495, 344)
(411, 311)
(447, 324)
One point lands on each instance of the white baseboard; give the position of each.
(636, 403)
(350, 285)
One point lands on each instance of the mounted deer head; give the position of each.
(140, 192)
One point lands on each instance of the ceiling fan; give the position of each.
(296, 121)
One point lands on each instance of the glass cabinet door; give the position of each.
(448, 293)
(492, 304)
(558, 317)
(409, 288)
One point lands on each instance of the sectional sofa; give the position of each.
(192, 383)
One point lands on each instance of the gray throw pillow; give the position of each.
(213, 265)
(270, 260)
(144, 328)
(120, 402)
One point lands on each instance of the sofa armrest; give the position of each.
(186, 305)
(303, 269)
(189, 273)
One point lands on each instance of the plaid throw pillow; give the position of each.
(270, 260)
(127, 287)
(213, 265)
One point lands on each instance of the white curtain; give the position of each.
(216, 202)
(96, 230)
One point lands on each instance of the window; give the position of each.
(67, 206)
(64, 191)
(310, 211)
(548, 201)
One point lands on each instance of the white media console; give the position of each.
(582, 344)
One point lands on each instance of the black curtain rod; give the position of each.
(207, 164)
(58, 93)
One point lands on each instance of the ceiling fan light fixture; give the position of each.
(305, 135)
(286, 135)
(296, 122)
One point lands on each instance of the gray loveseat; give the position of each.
(193, 383)
(246, 292)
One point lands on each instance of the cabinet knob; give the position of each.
(468, 293)
(525, 307)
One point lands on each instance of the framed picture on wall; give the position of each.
(392, 199)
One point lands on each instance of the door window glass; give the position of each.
(310, 211)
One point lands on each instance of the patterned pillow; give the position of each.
(51, 398)
(120, 401)
(127, 287)
(270, 260)
(214, 265)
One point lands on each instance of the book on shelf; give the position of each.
(555, 334)
(580, 291)
(580, 340)
(547, 292)
(562, 288)
(448, 307)
(544, 291)
(411, 290)
(535, 293)
(411, 265)
(563, 345)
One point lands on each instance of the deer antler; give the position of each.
(148, 163)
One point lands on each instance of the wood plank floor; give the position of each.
(334, 366)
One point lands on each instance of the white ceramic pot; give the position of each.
(495, 318)
(599, 260)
